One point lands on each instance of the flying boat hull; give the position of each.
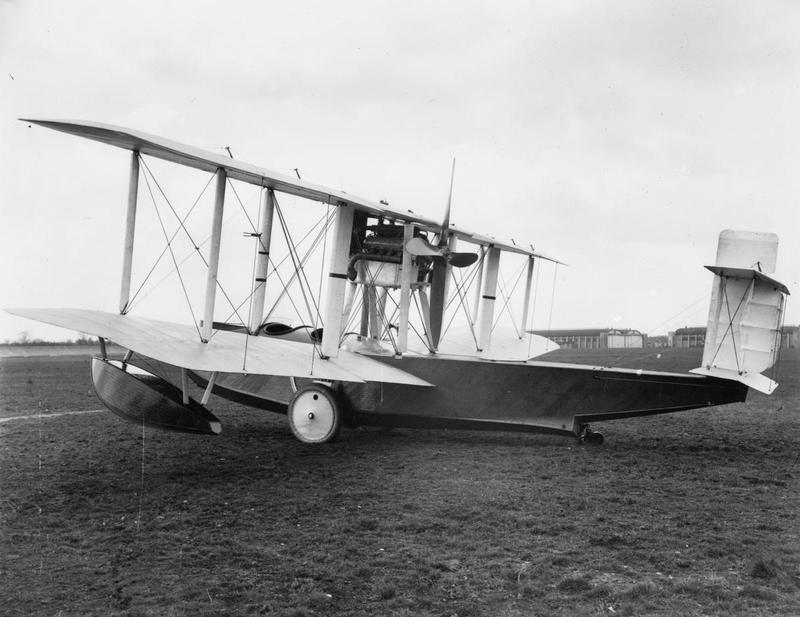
(476, 394)
(534, 396)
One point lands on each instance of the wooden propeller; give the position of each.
(443, 258)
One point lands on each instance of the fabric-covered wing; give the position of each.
(226, 352)
(205, 160)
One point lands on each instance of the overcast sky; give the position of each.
(621, 137)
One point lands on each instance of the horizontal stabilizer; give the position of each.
(757, 381)
(226, 352)
(747, 274)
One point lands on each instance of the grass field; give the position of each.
(690, 514)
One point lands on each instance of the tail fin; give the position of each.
(743, 335)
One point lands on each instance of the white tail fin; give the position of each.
(746, 313)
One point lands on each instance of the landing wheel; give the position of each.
(595, 438)
(591, 437)
(315, 415)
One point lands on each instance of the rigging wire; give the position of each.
(507, 298)
(172, 254)
(191, 239)
(385, 322)
(182, 226)
(730, 327)
(703, 299)
(296, 273)
(552, 298)
(473, 273)
(164, 251)
(320, 221)
(778, 343)
(730, 321)
(355, 307)
(424, 336)
(296, 263)
(186, 258)
(533, 306)
(305, 258)
(181, 262)
(318, 348)
(241, 205)
(464, 287)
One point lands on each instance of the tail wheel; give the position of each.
(315, 415)
(589, 436)
(595, 438)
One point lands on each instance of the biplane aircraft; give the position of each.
(378, 347)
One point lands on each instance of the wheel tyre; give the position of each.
(596, 439)
(315, 415)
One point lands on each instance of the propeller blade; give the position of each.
(446, 223)
(438, 291)
(462, 260)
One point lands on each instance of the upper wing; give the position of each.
(226, 352)
(205, 160)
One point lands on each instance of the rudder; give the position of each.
(745, 317)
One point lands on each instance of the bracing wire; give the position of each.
(533, 305)
(189, 236)
(385, 321)
(507, 298)
(691, 306)
(552, 298)
(296, 270)
(778, 344)
(424, 336)
(355, 308)
(181, 226)
(241, 205)
(172, 254)
(461, 291)
(284, 292)
(285, 286)
(473, 273)
(321, 276)
(164, 251)
(730, 321)
(298, 265)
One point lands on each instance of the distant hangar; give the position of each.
(593, 338)
(696, 337)
(621, 338)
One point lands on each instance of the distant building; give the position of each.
(620, 338)
(661, 340)
(605, 338)
(696, 337)
(688, 337)
(790, 337)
